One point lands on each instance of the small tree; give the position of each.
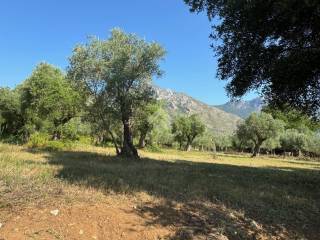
(271, 144)
(294, 141)
(205, 142)
(313, 145)
(223, 142)
(239, 143)
(161, 131)
(118, 70)
(186, 129)
(259, 127)
(145, 121)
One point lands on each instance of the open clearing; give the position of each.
(167, 195)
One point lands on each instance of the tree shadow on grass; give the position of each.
(207, 198)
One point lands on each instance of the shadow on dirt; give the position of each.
(206, 199)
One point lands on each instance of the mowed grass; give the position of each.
(233, 194)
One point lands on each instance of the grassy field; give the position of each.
(194, 195)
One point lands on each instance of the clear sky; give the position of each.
(32, 31)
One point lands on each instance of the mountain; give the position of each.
(242, 108)
(217, 120)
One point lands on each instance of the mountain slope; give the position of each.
(242, 108)
(217, 121)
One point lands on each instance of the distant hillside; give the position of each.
(218, 121)
(242, 108)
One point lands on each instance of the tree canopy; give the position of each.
(186, 128)
(272, 46)
(293, 118)
(118, 71)
(11, 118)
(47, 96)
(258, 128)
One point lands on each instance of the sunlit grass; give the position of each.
(272, 190)
(235, 159)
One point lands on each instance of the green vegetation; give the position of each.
(107, 97)
(48, 101)
(152, 124)
(270, 46)
(74, 137)
(186, 129)
(258, 128)
(218, 122)
(117, 72)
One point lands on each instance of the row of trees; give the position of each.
(272, 130)
(46, 101)
(107, 93)
(49, 103)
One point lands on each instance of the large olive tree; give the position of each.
(118, 71)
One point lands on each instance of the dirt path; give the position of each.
(81, 221)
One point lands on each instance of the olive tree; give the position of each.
(294, 141)
(119, 70)
(151, 122)
(259, 127)
(223, 142)
(205, 142)
(186, 128)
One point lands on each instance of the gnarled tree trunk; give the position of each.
(188, 146)
(128, 149)
(256, 150)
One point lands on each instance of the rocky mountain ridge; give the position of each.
(217, 120)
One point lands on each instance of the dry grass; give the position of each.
(233, 195)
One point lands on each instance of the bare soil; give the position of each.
(106, 220)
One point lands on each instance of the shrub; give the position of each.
(153, 148)
(87, 140)
(38, 140)
(58, 145)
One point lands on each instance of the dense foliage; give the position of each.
(11, 119)
(48, 101)
(117, 72)
(45, 102)
(268, 45)
(107, 98)
(258, 128)
(185, 129)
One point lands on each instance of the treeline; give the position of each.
(106, 97)
(273, 131)
(47, 109)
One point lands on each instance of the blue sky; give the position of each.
(35, 30)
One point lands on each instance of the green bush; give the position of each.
(87, 140)
(153, 148)
(58, 145)
(38, 140)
